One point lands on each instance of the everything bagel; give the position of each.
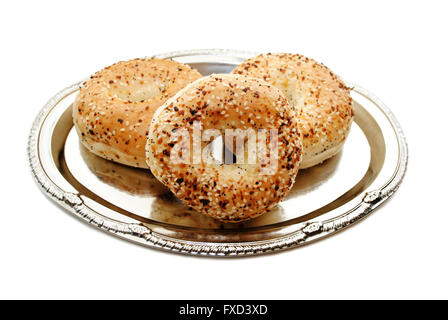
(319, 97)
(115, 106)
(228, 192)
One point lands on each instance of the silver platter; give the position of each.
(131, 204)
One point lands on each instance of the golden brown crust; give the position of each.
(320, 98)
(114, 108)
(227, 192)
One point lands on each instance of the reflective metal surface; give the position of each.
(132, 204)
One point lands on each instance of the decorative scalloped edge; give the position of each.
(142, 234)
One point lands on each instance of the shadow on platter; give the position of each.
(311, 178)
(135, 181)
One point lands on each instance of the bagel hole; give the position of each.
(140, 92)
(220, 152)
(224, 154)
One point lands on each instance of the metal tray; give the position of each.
(131, 204)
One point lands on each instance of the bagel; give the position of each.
(221, 102)
(320, 98)
(114, 108)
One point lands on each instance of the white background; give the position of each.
(396, 49)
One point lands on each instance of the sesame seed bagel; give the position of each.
(228, 192)
(115, 106)
(320, 98)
